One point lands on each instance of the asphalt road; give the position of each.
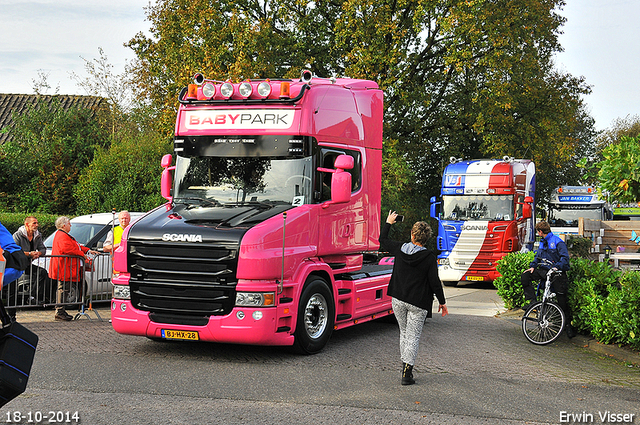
(473, 368)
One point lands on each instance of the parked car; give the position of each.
(91, 231)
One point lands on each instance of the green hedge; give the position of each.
(12, 221)
(590, 284)
(508, 284)
(605, 303)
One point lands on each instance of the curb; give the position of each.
(614, 351)
(47, 315)
(617, 352)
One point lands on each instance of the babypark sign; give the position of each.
(236, 119)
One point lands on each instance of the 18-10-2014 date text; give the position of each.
(37, 417)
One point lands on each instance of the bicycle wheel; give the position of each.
(542, 323)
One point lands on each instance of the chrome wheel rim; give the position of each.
(315, 316)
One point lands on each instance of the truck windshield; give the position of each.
(569, 217)
(229, 181)
(478, 207)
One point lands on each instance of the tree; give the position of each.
(619, 174)
(628, 126)
(591, 162)
(461, 78)
(49, 148)
(41, 85)
(397, 193)
(117, 89)
(227, 40)
(101, 81)
(124, 176)
(470, 79)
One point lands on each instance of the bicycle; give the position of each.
(544, 320)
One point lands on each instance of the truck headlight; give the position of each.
(122, 292)
(255, 299)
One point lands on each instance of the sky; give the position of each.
(601, 42)
(53, 37)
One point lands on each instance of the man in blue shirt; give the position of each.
(552, 253)
(16, 260)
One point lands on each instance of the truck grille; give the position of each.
(474, 249)
(183, 281)
(479, 263)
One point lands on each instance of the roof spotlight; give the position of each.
(264, 89)
(245, 89)
(208, 90)
(226, 90)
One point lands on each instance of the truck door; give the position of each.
(342, 227)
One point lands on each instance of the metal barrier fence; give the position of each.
(80, 283)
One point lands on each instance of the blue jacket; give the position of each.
(9, 245)
(554, 249)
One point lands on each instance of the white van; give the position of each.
(91, 231)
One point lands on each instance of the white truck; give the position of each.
(568, 203)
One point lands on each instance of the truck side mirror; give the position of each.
(340, 187)
(166, 160)
(340, 180)
(344, 162)
(527, 207)
(166, 181)
(433, 207)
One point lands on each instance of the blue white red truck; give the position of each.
(486, 212)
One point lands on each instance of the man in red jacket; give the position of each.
(414, 282)
(66, 270)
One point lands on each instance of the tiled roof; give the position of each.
(19, 103)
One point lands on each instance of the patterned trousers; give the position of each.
(411, 320)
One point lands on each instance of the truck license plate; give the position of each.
(480, 278)
(184, 335)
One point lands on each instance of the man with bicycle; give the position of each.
(551, 254)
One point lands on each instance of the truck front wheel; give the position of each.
(316, 314)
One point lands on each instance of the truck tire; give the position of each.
(449, 282)
(316, 316)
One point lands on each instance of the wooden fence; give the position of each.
(622, 237)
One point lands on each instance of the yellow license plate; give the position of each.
(184, 335)
(480, 278)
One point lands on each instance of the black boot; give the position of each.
(407, 374)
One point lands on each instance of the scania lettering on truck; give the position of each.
(486, 212)
(272, 218)
(569, 203)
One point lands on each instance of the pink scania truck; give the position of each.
(270, 230)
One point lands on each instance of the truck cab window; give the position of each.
(232, 181)
(519, 206)
(328, 158)
(478, 207)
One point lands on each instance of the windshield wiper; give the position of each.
(185, 199)
(265, 204)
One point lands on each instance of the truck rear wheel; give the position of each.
(316, 315)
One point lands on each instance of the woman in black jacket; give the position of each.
(413, 284)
